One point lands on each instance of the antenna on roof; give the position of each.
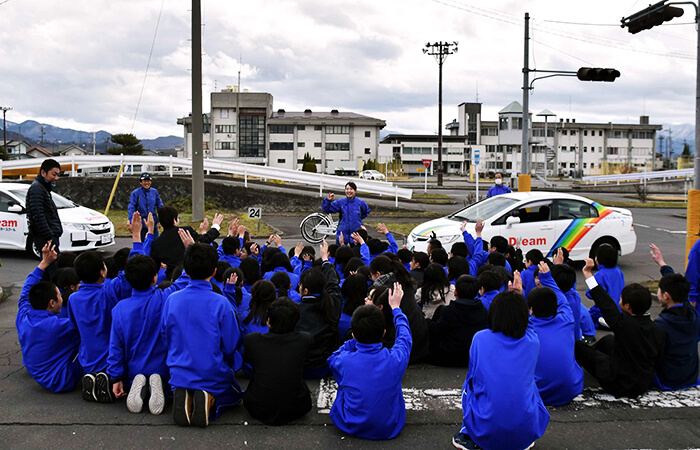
(477, 92)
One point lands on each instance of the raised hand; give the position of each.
(395, 296)
(323, 250)
(48, 255)
(588, 268)
(382, 228)
(544, 268)
(233, 226)
(357, 238)
(185, 237)
(204, 226)
(232, 279)
(657, 256)
(463, 227)
(297, 250)
(150, 223)
(278, 240)
(331, 196)
(479, 227)
(341, 239)
(559, 256)
(517, 284)
(218, 218)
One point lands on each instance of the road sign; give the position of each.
(427, 162)
(254, 212)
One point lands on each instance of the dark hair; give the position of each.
(200, 261)
(367, 324)
(352, 266)
(675, 285)
(282, 282)
(237, 291)
(497, 259)
(457, 266)
(89, 266)
(508, 314)
(384, 265)
(221, 267)
(283, 314)
(536, 272)
(637, 296)
(405, 255)
(120, 257)
(466, 286)
(262, 294)
(459, 249)
(343, 255)
(564, 276)
(376, 246)
(309, 250)
(606, 255)
(422, 259)
(500, 243)
(215, 288)
(354, 291)
(364, 270)
(280, 260)
(380, 298)
(250, 269)
(112, 271)
(46, 166)
(267, 255)
(565, 253)
(490, 281)
(41, 294)
(246, 247)
(230, 245)
(534, 256)
(332, 248)
(65, 259)
(439, 255)
(140, 271)
(176, 272)
(314, 281)
(352, 185)
(543, 302)
(167, 216)
(363, 234)
(434, 280)
(434, 243)
(165, 284)
(65, 278)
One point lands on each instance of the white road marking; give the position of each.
(672, 232)
(451, 399)
(642, 226)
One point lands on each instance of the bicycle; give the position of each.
(317, 226)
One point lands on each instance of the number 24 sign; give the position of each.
(254, 212)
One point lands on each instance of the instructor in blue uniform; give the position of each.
(145, 199)
(352, 211)
(498, 188)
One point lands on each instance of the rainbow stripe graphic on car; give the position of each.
(577, 229)
(429, 230)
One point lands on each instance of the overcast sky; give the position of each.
(81, 63)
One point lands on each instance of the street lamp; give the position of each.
(4, 125)
(440, 50)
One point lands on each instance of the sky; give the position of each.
(82, 64)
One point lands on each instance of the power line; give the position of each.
(563, 52)
(2, 3)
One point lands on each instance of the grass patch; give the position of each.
(433, 199)
(432, 196)
(623, 204)
(404, 228)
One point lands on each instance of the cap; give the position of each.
(145, 176)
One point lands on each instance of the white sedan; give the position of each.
(372, 175)
(83, 228)
(541, 220)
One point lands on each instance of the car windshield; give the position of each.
(61, 202)
(484, 209)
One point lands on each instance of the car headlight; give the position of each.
(75, 226)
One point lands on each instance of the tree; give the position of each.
(686, 150)
(370, 164)
(128, 144)
(309, 164)
(3, 153)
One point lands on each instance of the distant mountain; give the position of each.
(162, 143)
(679, 134)
(383, 133)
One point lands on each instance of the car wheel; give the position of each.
(601, 241)
(31, 247)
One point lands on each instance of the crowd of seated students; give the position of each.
(181, 321)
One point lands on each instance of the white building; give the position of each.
(243, 127)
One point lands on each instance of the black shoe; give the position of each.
(203, 401)
(103, 389)
(137, 394)
(89, 387)
(182, 407)
(157, 401)
(464, 442)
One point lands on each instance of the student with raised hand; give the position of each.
(202, 335)
(624, 363)
(610, 277)
(301, 261)
(48, 341)
(692, 271)
(559, 378)
(475, 247)
(501, 405)
(364, 252)
(393, 246)
(434, 291)
(277, 392)
(280, 263)
(369, 403)
(532, 260)
(90, 312)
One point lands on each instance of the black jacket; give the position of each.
(679, 367)
(168, 248)
(41, 210)
(452, 330)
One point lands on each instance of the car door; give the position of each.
(535, 229)
(576, 223)
(13, 223)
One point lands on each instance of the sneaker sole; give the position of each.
(89, 387)
(134, 402)
(103, 394)
(157, 401)
(200, 411)
(181, 412)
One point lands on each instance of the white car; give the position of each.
(83, 228)
(372, 175)
(541, 220)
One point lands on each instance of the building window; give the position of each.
(600, 149)
(489, 132)
(368, 134)
(612, 150)
(600, 132)
(281, 145)
(282, 161)
(585, 149)
(642, 135)
(337, 129)
(252, 136)
(301, 127)
(502, 123)
(281, 129)
(225, 129)
(337, 146)
(318, 127)
(301, 144)
(574, 148)
(564, 132)
(224, 145)
(563, 148)
(573, 132)
(584, 166)
(592, 165)
(585, 132)
(223, 113)
(572, 165)
(368, 151)
(317, 144)
(205, 145)
(517, 123)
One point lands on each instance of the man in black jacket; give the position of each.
(44, 223)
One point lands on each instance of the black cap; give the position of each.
(145, 176)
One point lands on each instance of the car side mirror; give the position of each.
(15, 208)
(512, 220)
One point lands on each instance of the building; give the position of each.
(243, 127)
(16, 149)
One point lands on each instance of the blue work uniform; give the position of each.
(498, 190)
(352, 212)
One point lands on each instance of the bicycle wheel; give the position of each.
(309, 227)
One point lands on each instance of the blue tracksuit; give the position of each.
(201, 334)
(488, 297)
(528, 277)
(235, 261)
(613, 281)
(352, 212)
(498, 190)
(90, 312)
(477, 254)
(559, 378)
(144, 201)
(294, 279)
(49, 343)
(574, 300)
(587, 325)
(136, 345)
(679, 366)
(344, 324)
(501, 405)
(692, 273)
(369, 403)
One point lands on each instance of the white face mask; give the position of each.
(499, 181)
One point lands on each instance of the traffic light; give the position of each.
(597, 74)
(650, 17)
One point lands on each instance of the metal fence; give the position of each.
(640, 176)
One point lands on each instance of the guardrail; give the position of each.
(323, 181)
(640, 176)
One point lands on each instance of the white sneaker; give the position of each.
(157, 401)
(137, 394)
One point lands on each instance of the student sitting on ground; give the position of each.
(48, 341)
(624, 363)
(434, 291)
(692, 272)
(453, 326)
(679, 367)
(284, 288)
(280, 263)
(490, 283)
(354, 292)
(500, 402)
(202, 336)
(456, 267)
(405, 255)
(419, 262)
(369, 403)
(254, 320)
(231, 247)
(610, 277)
(532, 260)
(277, 393)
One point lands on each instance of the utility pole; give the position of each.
(4, 125)
(197, 153)
(42, 134)
(440, 50)
(525, 143)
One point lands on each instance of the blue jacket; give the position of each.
(136, 345)
(613, 281)
(293, 278)
(235, 261)
(528, 277)
(575, 304)
(587, 325)
(144, 201)
(559, 378)
(477, 255)
(352, 212)
(679, 366)
(498, 190)
(370, 403)
(501, 405)
(692, 273)
(488, 297)
(201, 334)
(48, 342)
(90, 312)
